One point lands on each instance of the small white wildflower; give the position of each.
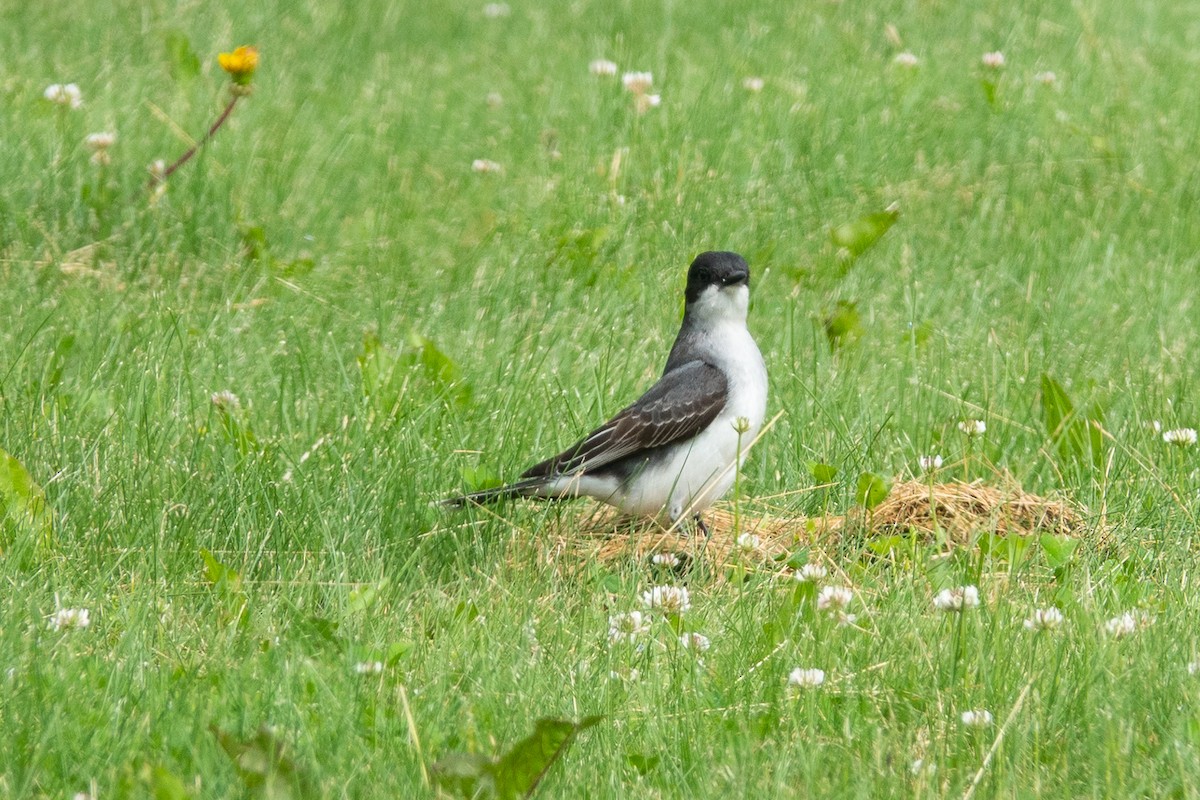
(638, 82)
(629, 676)
(1157, 426)
(806, 678)
(668, 560)
(753, 84)
(930, 463)
(973, 427)
(695, 641)
(1045, 619)
(627, 627)
(496, 10)
(70, 619)
(1127, 624)
(810, 572)
(64, 94)
(1184, 437)
(494, 99)
(602, 66)
(368, 668)
(920, 766)
(959, 598)
(667, 599)
(748, 542)
(99, 143)
(979, 718)
(906, 60)
(81, 796)
(993, 60)
(226, 401)
(1046, 78)
(834, 598)
(1193, 667)
(486, 165)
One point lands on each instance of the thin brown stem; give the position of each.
(155, 180)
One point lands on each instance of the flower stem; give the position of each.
(155, 180)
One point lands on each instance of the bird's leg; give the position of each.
(699, 520)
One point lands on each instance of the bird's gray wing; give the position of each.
(683, 402)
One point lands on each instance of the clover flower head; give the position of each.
(1044, 619)
(65, 619)
(627, 627)
(811, 573)
(960, 598)
(602, 66)
(806, 678)
(976, 718)
(906, 60)
(993, 60)
(66, 95)
(1184, 437)
(667, 599)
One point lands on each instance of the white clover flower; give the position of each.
(695, 641)
(806, 678)
(644, 102)
(494, 99)
(834, 599)
(993, 60)
(627, 627)
(1193, 667)
(668, 560)
(226, 401)
(66, 619)
(99, 143)
(496, 10)
(753, 84)
(979, 718)
(930, 463)
(64, 94)
(667, 599)
(906, 60)
(368, 668)
(959, 598)
(1046, 78)
(486, 166)
(1044, 619)
(602, 66)
(973, 427)
(1184, 437)
(638, 82)
(810, 573)
(748, 542)
(1127, 624)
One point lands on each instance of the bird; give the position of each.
(674, 451)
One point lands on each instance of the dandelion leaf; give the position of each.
(822, 473)
(871, 491)
(265, 768)
(23, 508)
(182, 60)
(843, 325)
(517, 773)
(861, 235)
(1078, 439)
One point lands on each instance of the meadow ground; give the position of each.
(268, 589)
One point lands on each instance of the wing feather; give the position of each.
(683, 403)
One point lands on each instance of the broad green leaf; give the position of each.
(1059, 550)
(844, 325)
(362, 598)
(518, 772)
(642, 763)
(23, 507)
(521, 769)
(182, 60)
(860, 235)
(872, 490)
(264, 766)
(477, 479)
(227, 586)
(1076, 438)
(164, 784)
(822, 473)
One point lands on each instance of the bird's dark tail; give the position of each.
(526, 488)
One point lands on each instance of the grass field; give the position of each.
(274, 607)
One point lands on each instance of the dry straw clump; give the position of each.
(953, 512)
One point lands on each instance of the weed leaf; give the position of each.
(872, 490)
(861, 235)
(23, 507)
(264, 767)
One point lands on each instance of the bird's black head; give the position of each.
(715, 268)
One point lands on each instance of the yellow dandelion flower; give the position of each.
(240, 64)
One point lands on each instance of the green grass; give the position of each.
(1050, 231)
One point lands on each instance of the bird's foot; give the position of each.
(701, 526)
